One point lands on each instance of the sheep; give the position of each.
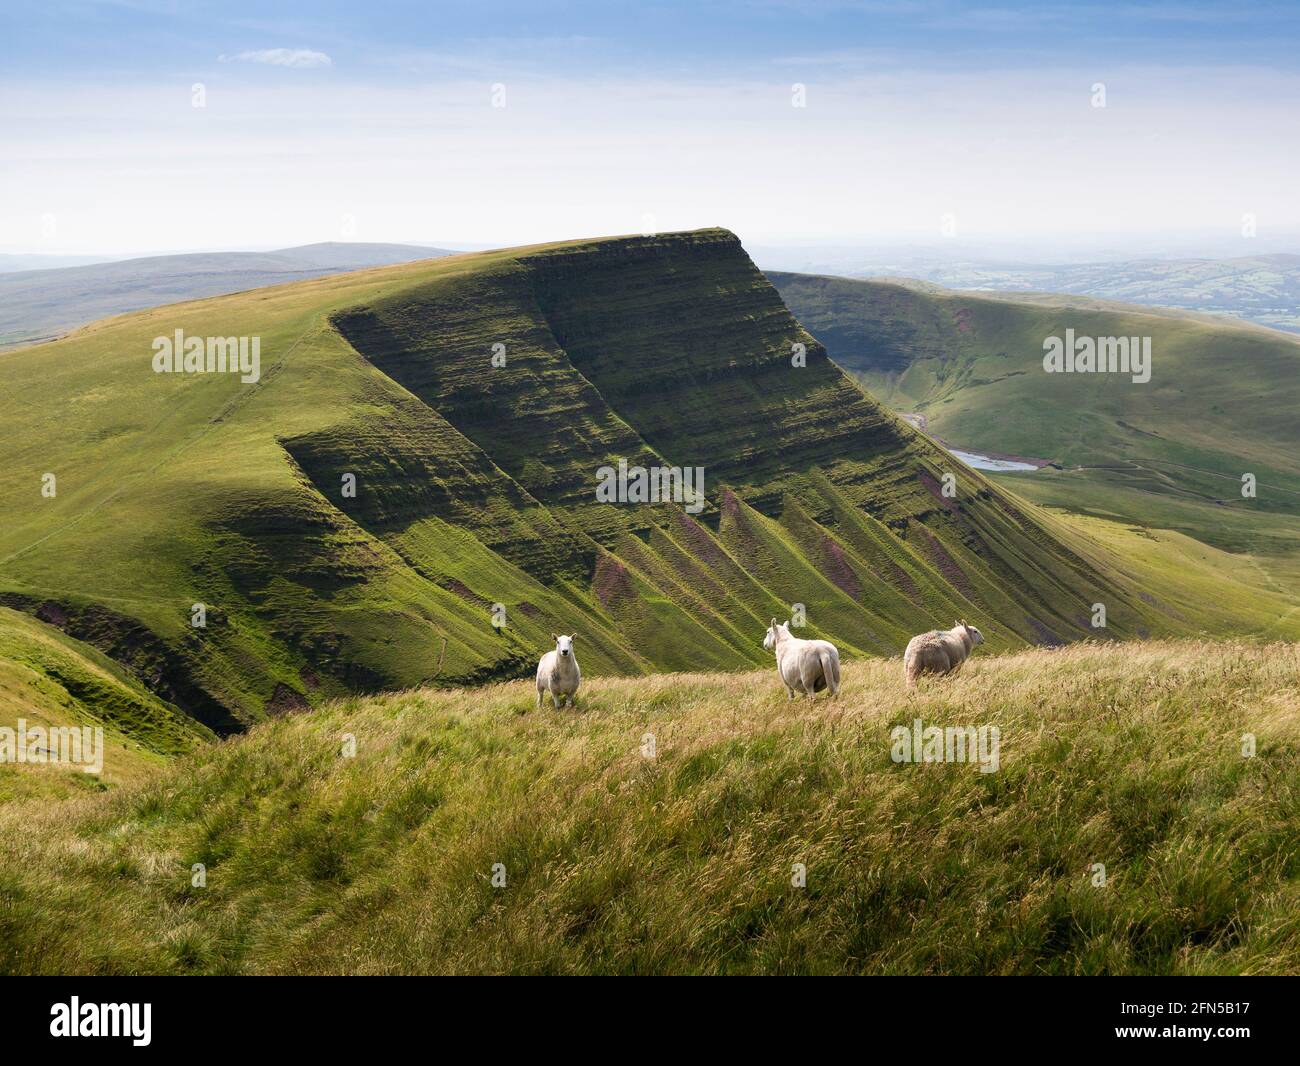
(558, 672)
(940, 652)
(806, 666)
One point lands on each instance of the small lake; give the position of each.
(987, 462)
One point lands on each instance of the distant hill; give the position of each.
(40, 304)
(1221, 402)
(475, 489)
(9, 263)
(1263, 289)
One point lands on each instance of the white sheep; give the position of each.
(804, 665)
(940, 652)
(558, 672)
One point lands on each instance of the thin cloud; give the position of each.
(281, 57)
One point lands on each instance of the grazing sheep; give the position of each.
(804, 665)
(558, 673)
(940, 652)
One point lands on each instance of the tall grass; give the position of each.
(1122, 756)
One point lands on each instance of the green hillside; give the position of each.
(49, 680)
(475, 487)
(610, 857)
(1221, 401)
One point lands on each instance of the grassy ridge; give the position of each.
(50, 680)
(382, 862)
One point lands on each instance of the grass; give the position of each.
(50, 680)
(1128, 756)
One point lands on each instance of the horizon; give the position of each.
(877, 125)
(1174, 248)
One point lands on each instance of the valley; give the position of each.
(1220, 403)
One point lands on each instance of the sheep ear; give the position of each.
(555, 638)
(773, 623)
(785, 624)
(573, 638)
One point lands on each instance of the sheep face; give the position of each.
(773, 632)
(564, 646)
(977, 638)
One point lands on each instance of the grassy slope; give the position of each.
(50, 680)
(1130, 757)
(476, 485)
(1221, 401)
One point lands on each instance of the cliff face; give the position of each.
(470, 406)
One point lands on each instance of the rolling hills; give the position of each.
(1263, 289)
(475, 489)
(460, 832)
(1221, 401)
(43, 303)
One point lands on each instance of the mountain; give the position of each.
(39, 304)
(1221, 401)
(475, 489)
(380, 858)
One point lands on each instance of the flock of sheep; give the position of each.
(806, 666)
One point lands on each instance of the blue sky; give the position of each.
(376, 121)
(371, 41)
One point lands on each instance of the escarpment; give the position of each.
(409, 496)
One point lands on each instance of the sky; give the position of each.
(144, 126)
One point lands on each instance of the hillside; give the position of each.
(48, 680)
(617, 862)
(38, 304)
(1221, 401)
(475, 486)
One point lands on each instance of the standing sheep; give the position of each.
(940, 652)
(558, 673)
(804, 665)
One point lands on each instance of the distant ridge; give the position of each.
(38, 305)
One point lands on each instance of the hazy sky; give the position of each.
(376, 121)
